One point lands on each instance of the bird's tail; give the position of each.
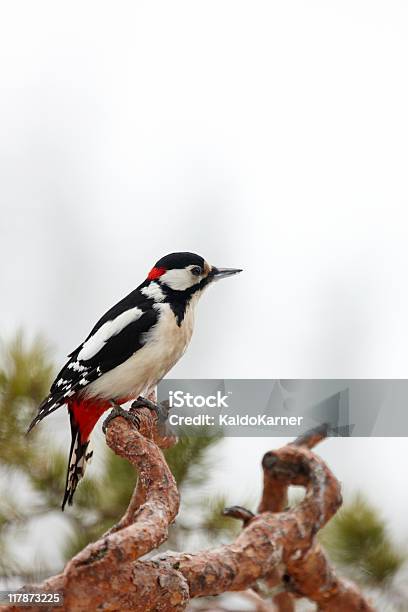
(78, 458)
(50, 404)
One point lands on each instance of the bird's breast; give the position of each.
(167, 340)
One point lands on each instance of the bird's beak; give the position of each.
(217, 273)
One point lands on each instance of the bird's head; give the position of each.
(186, 273)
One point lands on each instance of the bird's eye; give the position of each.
(196, 271)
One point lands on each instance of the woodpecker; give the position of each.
(129, 350)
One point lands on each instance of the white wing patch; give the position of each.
(111, 328)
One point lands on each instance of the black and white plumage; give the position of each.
(129, 350)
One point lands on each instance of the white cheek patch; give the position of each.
(106, 331)
(179, 280)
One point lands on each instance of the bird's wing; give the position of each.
(116, 337)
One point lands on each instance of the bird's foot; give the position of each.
(116, 411)
(162, 409)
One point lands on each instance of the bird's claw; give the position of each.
(119, 411)
(162, 409)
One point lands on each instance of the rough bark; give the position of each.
(276, 545)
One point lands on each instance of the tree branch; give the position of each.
(109, 574)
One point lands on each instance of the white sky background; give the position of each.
(265, 135)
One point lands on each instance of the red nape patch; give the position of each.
(86, 413)
(156, 273)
